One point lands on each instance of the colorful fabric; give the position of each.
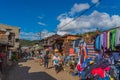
(105, 78)
(108, 40)
(76, 43)
(105, 41)
(107, 68)
(91, 50)
(79, 68)
(84, 52)
(76, 50)
(116, 55)
(71, 51)
(101, 40)
(97, 42)
(117, 39)
(113, 34)
(98, 71)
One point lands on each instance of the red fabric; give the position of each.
(98, 71)
(1, 55)
(107, 68)
(79, 68)
(71, 51)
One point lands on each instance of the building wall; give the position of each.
(68, 43)
(16, 30)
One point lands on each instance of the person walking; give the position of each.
(46, 60)
(56, 62)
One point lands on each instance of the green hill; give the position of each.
(27, 42)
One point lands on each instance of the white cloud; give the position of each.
(62, 32)
(90, 22)
(62, 16)
(95, 1)
(41, 23)
(79, 8)
(29, 36)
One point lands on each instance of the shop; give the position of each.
(106, 64)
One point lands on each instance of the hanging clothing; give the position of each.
(113, 35)
(101, 40)
(105, 41)
(84, 52)
(117, 39)
(91, 50)
(108, 40)
(71, 51)
(73, 44)
(76, 42)
(97, 42)
(116, 55)
(79, 68)
(76, 50)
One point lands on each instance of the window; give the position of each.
(17, 40)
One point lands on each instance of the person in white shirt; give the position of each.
(56, 62)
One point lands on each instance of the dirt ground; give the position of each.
(31, 70)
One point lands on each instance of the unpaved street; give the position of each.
(30, 70)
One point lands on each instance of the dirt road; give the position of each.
(30, 70)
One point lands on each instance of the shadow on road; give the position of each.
(20, 72)
(22, 60)
(40, 76)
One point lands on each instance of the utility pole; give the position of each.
(40, 35)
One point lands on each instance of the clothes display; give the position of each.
(71, 51)
(104, 66)
(76, 50)
(91, 50)
(101, 39)
(117, 39)
(105, 41)
(97, 42)
(108, 40)
(113, 32)
(76, 43)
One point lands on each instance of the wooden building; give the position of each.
(8, 40)
(49, 42)
(68, 42)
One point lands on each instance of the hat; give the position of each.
(91, 62)
(56, 50)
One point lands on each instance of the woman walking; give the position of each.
(46, 60)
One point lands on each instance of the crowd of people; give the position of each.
(53, 59)
(60, 62)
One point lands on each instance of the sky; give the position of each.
(48, 17)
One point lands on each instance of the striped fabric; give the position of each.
(91, 50)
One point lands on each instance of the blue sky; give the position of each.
(48, 16)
